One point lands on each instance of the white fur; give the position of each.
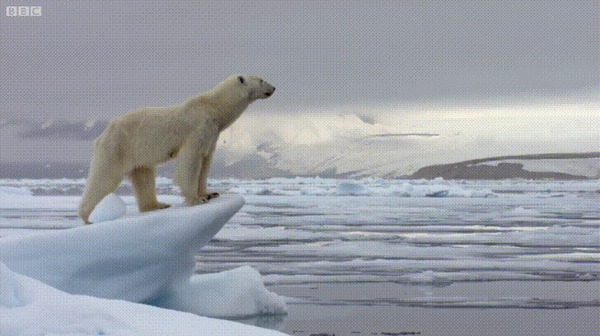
(133, 144)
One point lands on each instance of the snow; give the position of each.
(30, 307)
(396, 140)
(147, 258)
(111, 207)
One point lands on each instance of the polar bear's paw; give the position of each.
(155, 206)
(201, 199)
(161, 205)
(208, 197)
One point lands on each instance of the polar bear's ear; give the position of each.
(242, 80)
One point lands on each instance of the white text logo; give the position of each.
(23, 11)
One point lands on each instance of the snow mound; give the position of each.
(30, 307)
(110, 208)
(147, 258)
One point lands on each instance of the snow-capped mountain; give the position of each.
(387, 142)
(400, 144)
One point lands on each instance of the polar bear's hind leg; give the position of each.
(101, 181)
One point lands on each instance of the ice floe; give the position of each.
(146, 258)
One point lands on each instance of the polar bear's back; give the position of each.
(146, 136)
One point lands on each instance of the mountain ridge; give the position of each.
(256, 167)
(460, 145)
(477, 169)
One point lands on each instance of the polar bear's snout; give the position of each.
(267, 89)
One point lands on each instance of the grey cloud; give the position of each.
(100, 59)
(63, 130)
(58, 129)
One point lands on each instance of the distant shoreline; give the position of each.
(477, 170)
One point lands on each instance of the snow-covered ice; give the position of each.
(148, 258)
(30, 307)
(235, 293)
(110, 208)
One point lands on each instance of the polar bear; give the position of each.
(133, 144)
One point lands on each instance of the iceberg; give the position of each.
(146, 258)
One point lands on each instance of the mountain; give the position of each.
(388, 143)
(489, 144)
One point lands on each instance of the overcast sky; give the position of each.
(84, 59)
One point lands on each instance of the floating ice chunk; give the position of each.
(48, 311)
(236, 293)
(110, 208)
(522, 211)
(440, 193)
(432, 189)
(351, 188)
(14, 191)
(314, 191)
(588, 277)
(428, 277)
(424, 277)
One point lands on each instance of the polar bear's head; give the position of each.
(251, 87)
(233, 95)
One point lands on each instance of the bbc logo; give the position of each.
(23, 10)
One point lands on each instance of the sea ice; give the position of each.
(30, 307)
(234, 293)
(147, 258)
(350, 188)
(304, 231)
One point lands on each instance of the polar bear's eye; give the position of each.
(242, 80)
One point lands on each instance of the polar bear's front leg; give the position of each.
(187, 171)
(143, 180)
(202, 181)
(190, 161)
